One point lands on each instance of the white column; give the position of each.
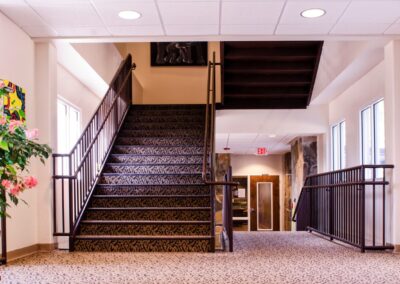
(46, 121)
(392, 121)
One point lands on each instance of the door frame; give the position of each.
(275, 203)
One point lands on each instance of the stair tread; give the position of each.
(151, 174)
(149, 196)
(141, 222)
(138, 237)
(139, 185)
(149, 208)
(155, 164)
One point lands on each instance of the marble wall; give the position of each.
(303, 163)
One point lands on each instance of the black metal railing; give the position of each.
(348, 205)
(3, 235)
(75, 174)
(208, 171)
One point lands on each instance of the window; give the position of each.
(339, 146)
(68, 126)
(373, 134)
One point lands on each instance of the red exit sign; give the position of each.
(261, 151)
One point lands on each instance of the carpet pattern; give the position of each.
(272, 257)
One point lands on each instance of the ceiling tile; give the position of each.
(109, 12)
(304, 29)
(251, 13)
(247, 29)
(372, 12)
(293, 9)
(136, 30)
(190, 13)
(40, 31)
(359, 28)
(59, 14)
(235, 138)
(394, 29)
(82, 31)
(20, 13)
(192, 29)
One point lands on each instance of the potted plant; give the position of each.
(17, 146)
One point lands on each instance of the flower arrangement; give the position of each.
(17, 146)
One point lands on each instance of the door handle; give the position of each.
(253, 210)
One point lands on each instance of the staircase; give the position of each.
(269, 74)
(151, 196)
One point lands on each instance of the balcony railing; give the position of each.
(349, 205)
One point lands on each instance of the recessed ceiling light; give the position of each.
(272, 135)
(129, 15)
(313, 13)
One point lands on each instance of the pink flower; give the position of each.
(32, 134)
(30, 182)
(6, 183)
(13, 125)
(16, 189)
(3, 120)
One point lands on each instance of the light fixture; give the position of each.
(129, 15)
(272, 135)
(313, 13)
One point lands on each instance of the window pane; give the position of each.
(62, 125)
(335, 148)
(379, 133)
(366, 128)
(343, 145)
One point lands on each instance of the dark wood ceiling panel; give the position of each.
(269, 74)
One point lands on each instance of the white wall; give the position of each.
(348, 105)
(103, 57)
(76, 93)
(253, 165)
(17, 65)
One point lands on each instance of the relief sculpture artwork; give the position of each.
(179, 54)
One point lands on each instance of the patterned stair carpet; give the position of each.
(151, 196)
(259, 257)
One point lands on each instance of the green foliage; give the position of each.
(16, 151)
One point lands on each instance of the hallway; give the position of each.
(276, 257)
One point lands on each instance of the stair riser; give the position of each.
(160, 141)
(163, 125)
(149, 215)
(151, 180)
(198, 133)
(146, 229)
(156, 159)
(151, 202)
(156, 169)
(153, 190)
(143, 245)
(158, 150)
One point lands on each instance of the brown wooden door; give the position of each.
(253, 200)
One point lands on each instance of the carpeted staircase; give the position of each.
(151, 196)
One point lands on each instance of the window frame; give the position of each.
(373, 125)
(69, 106)
(342, 148)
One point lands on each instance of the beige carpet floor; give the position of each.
(279, 257)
